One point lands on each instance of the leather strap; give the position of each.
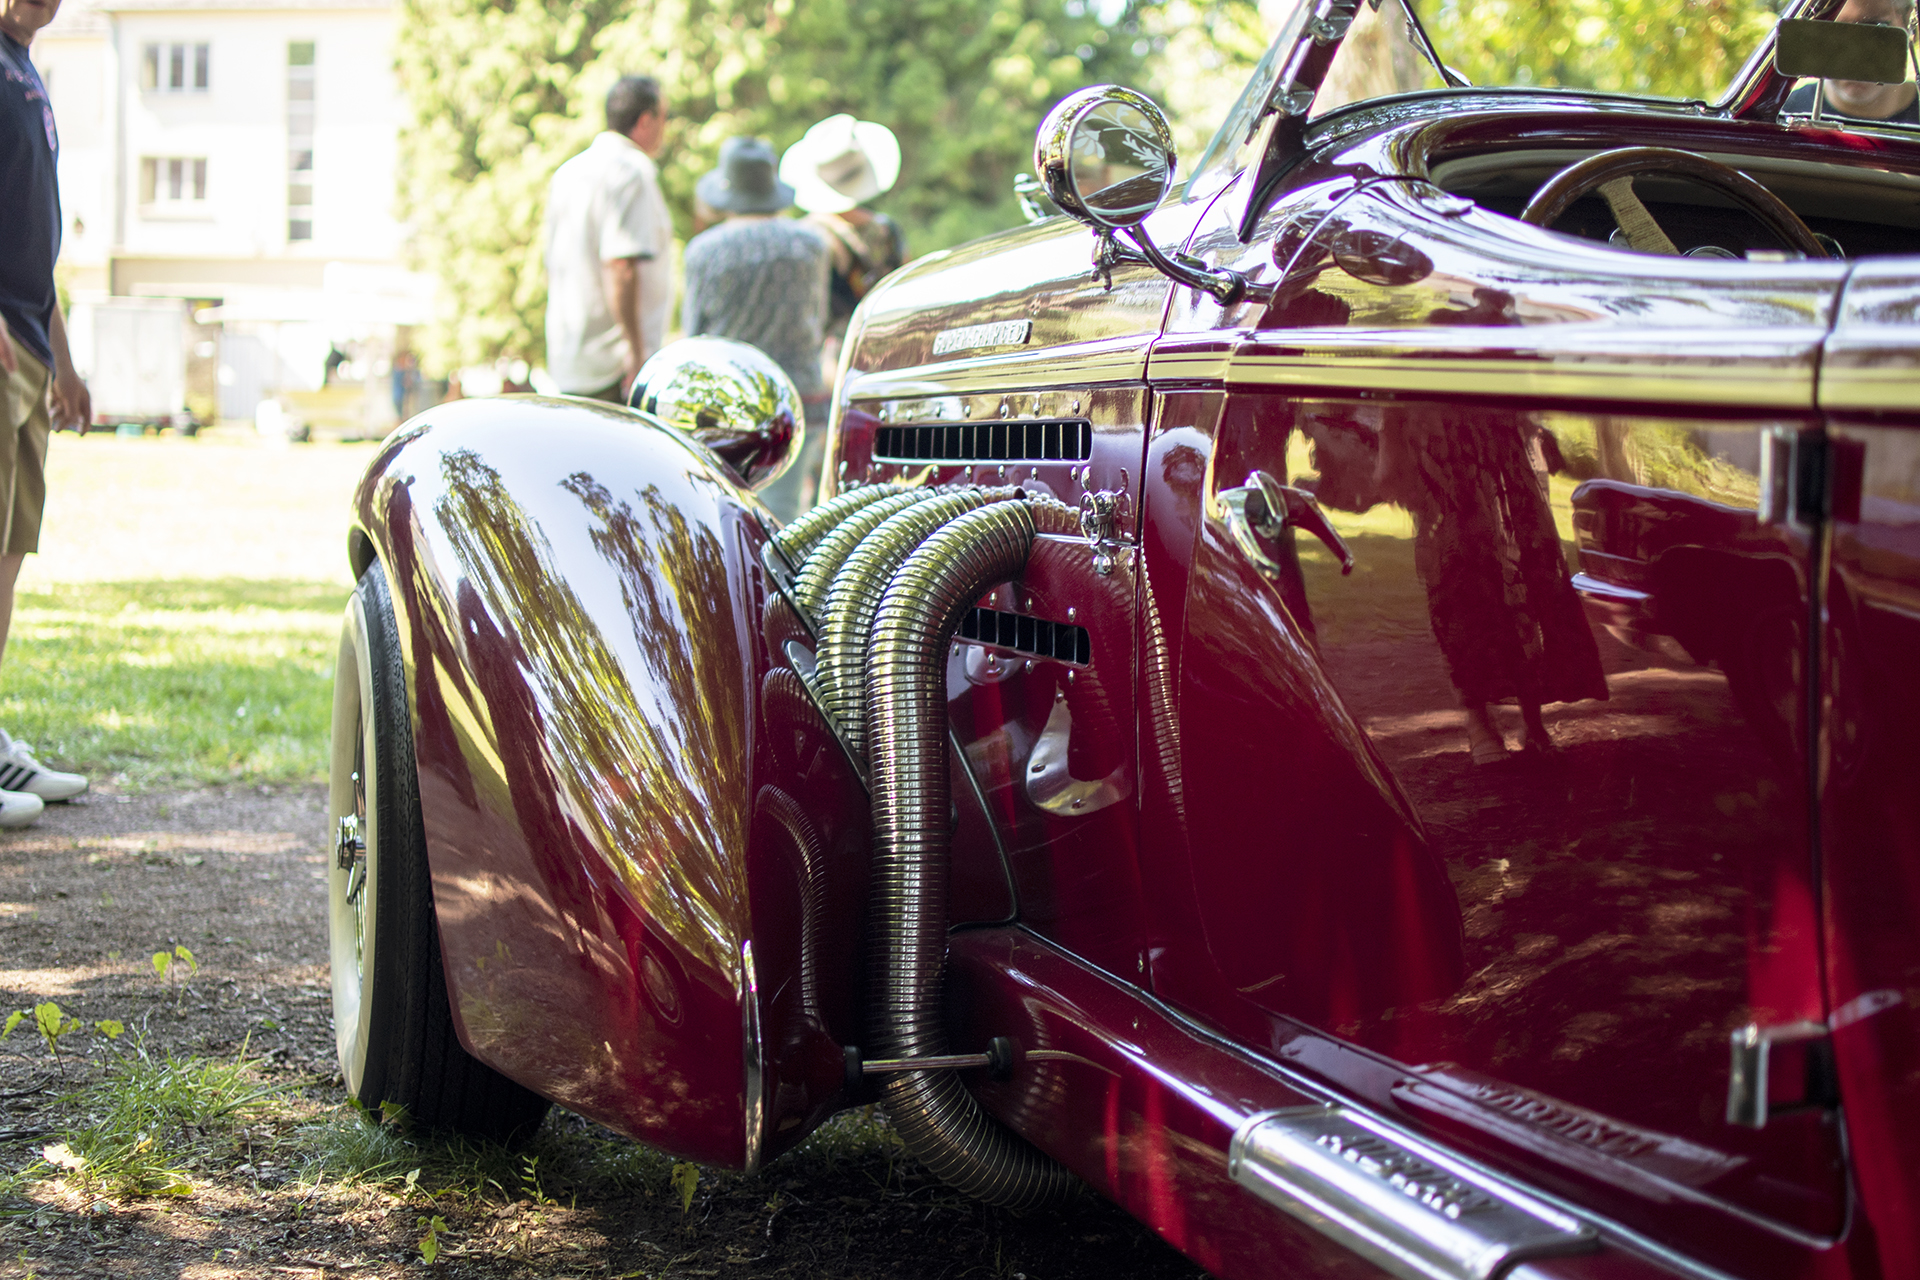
(1642, 232)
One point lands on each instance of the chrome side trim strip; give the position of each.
(1612, 592)
(1610, 1232)
(1093, 363)
(1862, 373)
(1743, 367)
(1189, 366)
(1395, 1201)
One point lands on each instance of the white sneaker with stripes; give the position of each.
(18, 808)
(19, 771)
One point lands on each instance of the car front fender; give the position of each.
(639, 918)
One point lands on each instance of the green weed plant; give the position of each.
(54, 1024)
(168, 965)
(131, 1132)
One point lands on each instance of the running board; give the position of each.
(1397, 1201)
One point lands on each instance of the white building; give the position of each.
(239, 154)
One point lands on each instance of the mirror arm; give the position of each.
(1224, 284)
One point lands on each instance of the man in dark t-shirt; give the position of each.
(38, 384)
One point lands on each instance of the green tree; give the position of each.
(501, 93)
(1675, 48)
(1200, 54)
(491, 90)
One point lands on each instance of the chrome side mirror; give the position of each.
(729, 396)
(1105, 156)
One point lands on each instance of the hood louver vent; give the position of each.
(1046, 440)
(1025, 634)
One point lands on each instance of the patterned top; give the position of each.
(762, 281)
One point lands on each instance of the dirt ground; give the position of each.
(236, 875)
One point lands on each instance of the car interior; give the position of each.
(1859, 211)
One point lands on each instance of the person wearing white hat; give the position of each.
(836, 169)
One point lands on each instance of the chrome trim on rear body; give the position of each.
(1100, 361)
(1875, 370)
(1730, 368)
(1395, 1200)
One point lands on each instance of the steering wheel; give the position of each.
(1611, 172)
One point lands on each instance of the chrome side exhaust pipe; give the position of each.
(906, 696)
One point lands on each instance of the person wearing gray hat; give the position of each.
(761, 278)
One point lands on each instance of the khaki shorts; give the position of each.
(24, 428)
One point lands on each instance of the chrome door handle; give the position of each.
(1263, 507)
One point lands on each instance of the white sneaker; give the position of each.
(18, 808)
(19, 771)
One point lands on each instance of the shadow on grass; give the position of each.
(849, 1201)
(192, 594)
(176, 682)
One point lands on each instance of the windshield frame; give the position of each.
(1755, 89)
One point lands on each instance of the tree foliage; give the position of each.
(492, 90)
(502, 91)
(1674, 48)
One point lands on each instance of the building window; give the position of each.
(175, 68)
(300, 140)
(173, 181)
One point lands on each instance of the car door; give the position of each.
(1547, 461)
(1870, 751)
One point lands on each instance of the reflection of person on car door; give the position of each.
(1502, 607)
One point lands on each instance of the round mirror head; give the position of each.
(729, 396)
(1106, 156)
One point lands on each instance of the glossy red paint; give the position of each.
(1310, 859)
(1141, 1101)
(609, 767)
(1870, 755)
(1312, 908)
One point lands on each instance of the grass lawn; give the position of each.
(180, 623)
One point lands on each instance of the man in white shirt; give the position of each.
(610, 250)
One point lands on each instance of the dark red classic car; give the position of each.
(1366, 708)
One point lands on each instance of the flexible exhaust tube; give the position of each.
(796, 540)
(853, 599)
(906, 696)
(816, 572)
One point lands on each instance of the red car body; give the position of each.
(1223, 853)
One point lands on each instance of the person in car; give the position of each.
(1864, 99)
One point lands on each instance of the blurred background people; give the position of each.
(760, 277)
(610, 250)
(836, 168)
(1863, 99)
(405, 384)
